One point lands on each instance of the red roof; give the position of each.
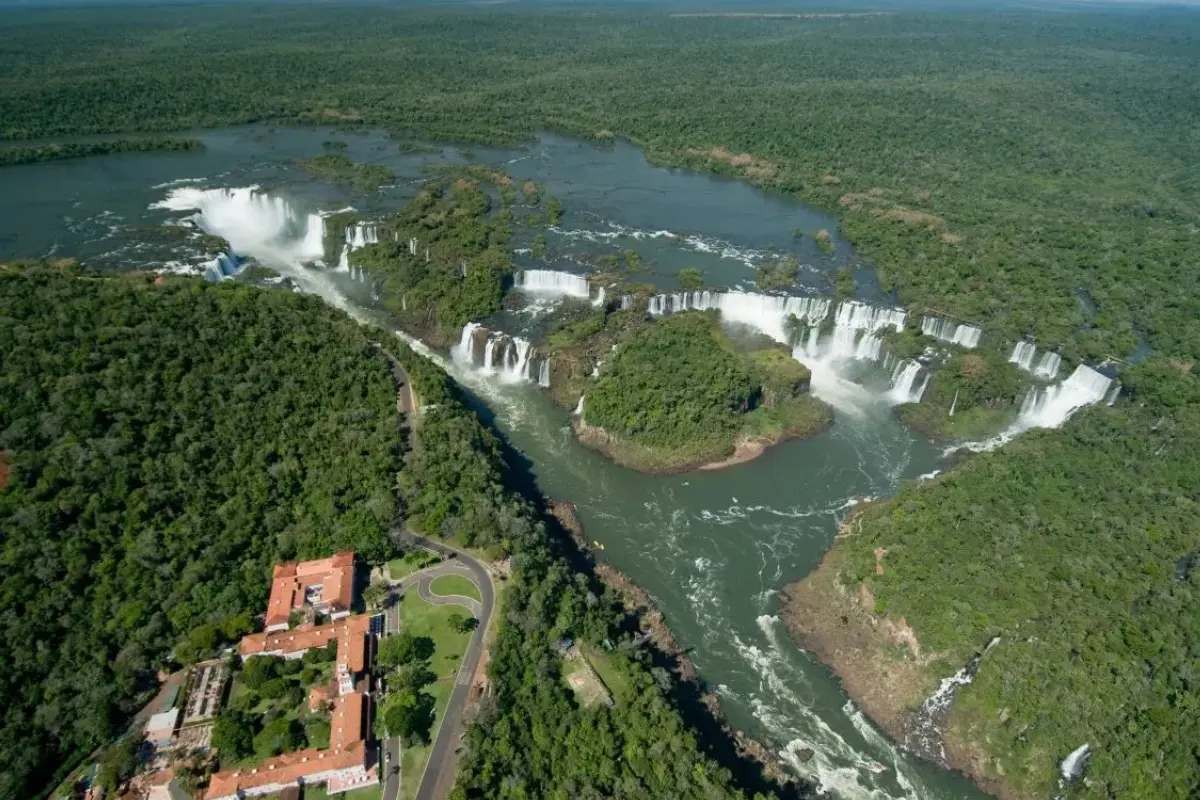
(291, 582)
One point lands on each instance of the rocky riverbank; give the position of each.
(652, 623)
(879, 660)
(806, 416)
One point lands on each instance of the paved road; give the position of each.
(438, 779)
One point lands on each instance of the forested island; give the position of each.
(678, 394)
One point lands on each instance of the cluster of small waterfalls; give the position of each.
(826, 337)
(1025, 353)
(555, 283)
(512, 358)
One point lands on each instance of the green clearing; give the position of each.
(447, 585)
(411, 562)
(426, 619)
(608, 669)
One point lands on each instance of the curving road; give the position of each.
(438, 778)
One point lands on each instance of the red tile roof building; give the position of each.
(326, 584)
(349, 762)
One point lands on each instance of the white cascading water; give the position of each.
(221, 267)
(255, 224)
(464, 351)
(544, 374)
(361, 234)
(549, 281)
(1071, 767)
(599, 301)
(508, 357)
(954, 403)
(866, 317)
(1053, 405)
(1023, 354)
(768, 313)
(947, 330)
(579, 409)
(925, 736)
(1048, 407)
(908, 384)
(1048, 366)
(626, 302)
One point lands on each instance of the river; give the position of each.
(712, 548)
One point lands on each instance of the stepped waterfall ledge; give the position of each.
(947, 330)
(553, 282)
(1047, 366)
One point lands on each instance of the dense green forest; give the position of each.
(532, 739)
(337, 168)
(168, 444)
(460, 266)
(1079, 548)
(995, 165)
(59, 152)
(679, 392)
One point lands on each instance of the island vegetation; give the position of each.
(34, 154)
(335, 167)
(678, 394)
(168, 443)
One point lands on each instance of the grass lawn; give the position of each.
(608, 671)
(412, 561)
(426, 619)
(455, 584)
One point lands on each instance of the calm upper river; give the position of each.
(713, 548)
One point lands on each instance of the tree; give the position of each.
(409, 714)
(233, 734)
(258, 670)
(404, 648)
(413, 676)
(375, 595)
(691, 279)
(281, 735)
(119, 762)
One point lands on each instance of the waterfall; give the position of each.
(548, 281)
(361, 234)
(255, 224)
(854, 314)
(1072, 766)
(1113, 395)
(1048, 367)
(1023, 354)
(1052, 406)
(925, 736)
(626, 302)
(599, 301)
(766, 312)
(905, 386)
(343, 264)
(508, 357)
(947, 330)
(579, 409)
(544, 374)
(412, 246)
(954, 402)
(464, 351)
(222, 267)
